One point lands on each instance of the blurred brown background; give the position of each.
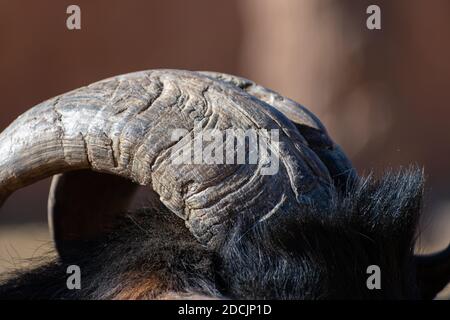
(383, 94)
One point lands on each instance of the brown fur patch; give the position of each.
(143, 289)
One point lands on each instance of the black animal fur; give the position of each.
(313, 255)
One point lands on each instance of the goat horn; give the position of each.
(123, 126)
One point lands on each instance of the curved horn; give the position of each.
(433, 272)
(124, 126)
(67, 222)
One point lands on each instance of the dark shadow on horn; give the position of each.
(83, 205)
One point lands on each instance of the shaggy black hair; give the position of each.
(317, 254)
(325, 254)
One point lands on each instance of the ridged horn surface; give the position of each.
(124, 126)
